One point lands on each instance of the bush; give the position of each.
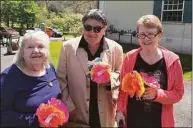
(66, 23)
(73, 22)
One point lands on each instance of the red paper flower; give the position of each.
(100, 73)
(150, 80)
(52, 114)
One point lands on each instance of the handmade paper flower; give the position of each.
(100, 73)
(132, 83)
(150, 81)
(52, 114)
(91, 64)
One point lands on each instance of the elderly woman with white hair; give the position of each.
(27, 83)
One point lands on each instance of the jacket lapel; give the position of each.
(106, 54)
(81, 54)
(83, 59)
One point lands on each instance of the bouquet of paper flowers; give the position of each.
(99, 72)
(52, 114)
(134, 83)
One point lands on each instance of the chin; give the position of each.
(37, 67)
(148, 43)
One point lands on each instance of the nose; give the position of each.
(146, 38)
(36, 49)
(92, 31)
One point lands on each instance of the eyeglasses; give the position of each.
(96, 29)
(149, 36)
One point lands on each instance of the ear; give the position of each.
(161, 34)
(105, 28)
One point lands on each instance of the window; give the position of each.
(172, 10)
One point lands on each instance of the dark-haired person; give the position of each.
(90, 103)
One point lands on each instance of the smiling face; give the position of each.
(93, 36)
(34, 52)
(148, 37)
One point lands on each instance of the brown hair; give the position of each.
(150, 21)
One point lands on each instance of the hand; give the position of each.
(119, 117)
(150, 93)
(114, 101)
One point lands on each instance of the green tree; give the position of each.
(19, 12)
(6, 7)
(27, 11)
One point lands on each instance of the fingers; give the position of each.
(151, 85)
(150, 93)
(148, 97)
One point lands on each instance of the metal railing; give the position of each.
(129, 32)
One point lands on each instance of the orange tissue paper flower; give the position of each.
(52, 114)
(132, 83)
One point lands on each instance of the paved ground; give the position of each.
(182, 110)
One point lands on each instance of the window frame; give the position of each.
(172, 11)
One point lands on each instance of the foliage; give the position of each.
(19, 12)
(73, 22)
(64, 15)
(68, 6)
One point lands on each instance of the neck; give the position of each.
(151, 56)
(150, 52)
(93, 48)
(34, 70)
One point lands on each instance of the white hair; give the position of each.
(19, 60)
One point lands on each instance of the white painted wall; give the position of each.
(124, 14)
(177, 37)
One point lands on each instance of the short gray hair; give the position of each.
(95, 14)
(19, 60)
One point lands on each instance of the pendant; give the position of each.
(50, 84)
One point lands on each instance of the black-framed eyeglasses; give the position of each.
(149, 36)
(95, 29)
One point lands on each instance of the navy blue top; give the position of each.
(22, 94)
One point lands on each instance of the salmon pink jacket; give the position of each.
(167, 98)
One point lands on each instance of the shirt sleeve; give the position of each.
(176, 93)
(9, 116)
(115, 81)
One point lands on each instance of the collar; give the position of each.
(168, 55)
(83, 44)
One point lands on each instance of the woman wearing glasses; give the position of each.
(156, 107)
(90, 103)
